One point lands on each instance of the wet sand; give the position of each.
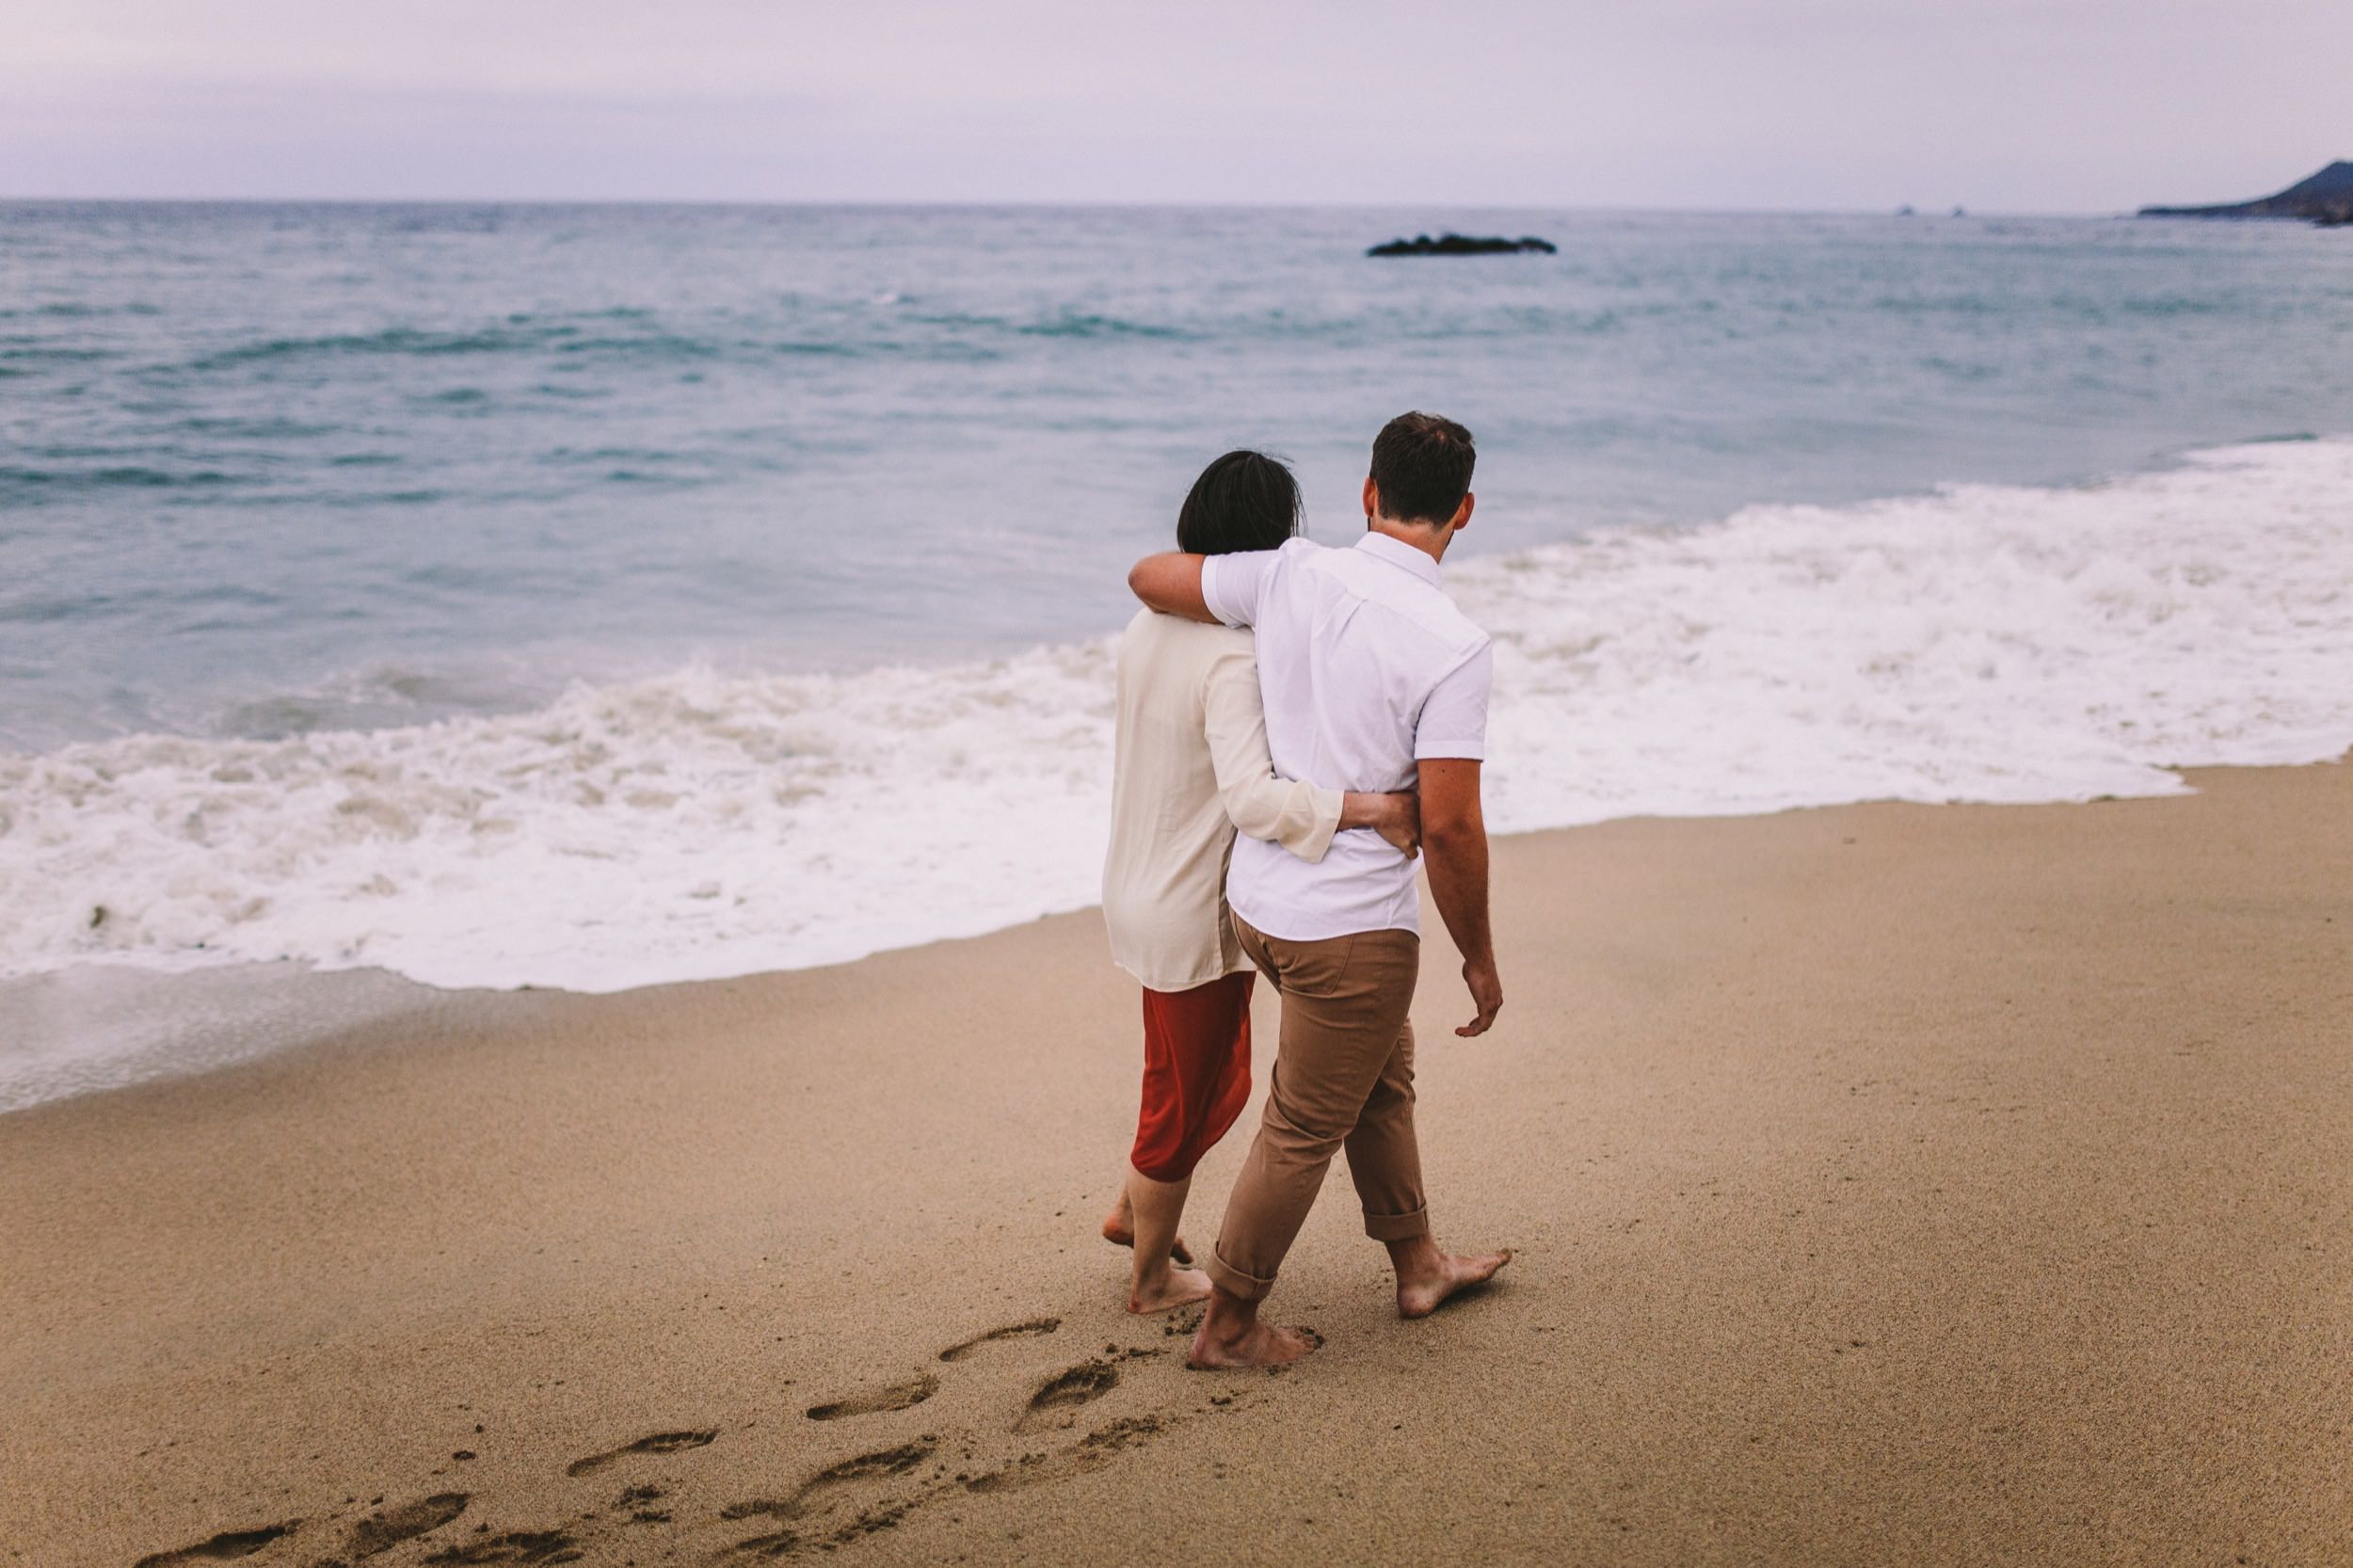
(1890, 1184)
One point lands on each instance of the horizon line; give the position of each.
(1061, 204)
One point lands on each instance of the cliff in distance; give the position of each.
(2325, 198)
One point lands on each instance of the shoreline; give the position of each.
(176, 1023)
(1959, 1183)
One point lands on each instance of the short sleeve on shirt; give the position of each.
(1233, 586)
(1453, 721)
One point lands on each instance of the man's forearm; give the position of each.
(1456, 859)
(1171, 584)
(1454, 837)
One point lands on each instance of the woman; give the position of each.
(1191, 767)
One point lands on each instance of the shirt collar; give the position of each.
(1399, 553)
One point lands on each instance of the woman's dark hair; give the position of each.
(1243, 500)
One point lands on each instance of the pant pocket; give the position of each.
(1314, 968)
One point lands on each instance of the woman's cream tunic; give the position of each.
(1191, 767)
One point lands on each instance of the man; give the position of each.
(1373, 681)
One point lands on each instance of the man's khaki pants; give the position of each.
(1343, 1078)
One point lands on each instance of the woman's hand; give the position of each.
(1395, 817)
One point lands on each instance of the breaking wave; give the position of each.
(1983, 642)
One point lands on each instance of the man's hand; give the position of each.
(1487, 989)
(1395, 817)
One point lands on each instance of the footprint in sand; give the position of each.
(899, 1396)
(637, 1504)
(1011, 1330)
(1090, 1452)
(525, 1548)
(816, 1492)
(225, 1547)
(381, 1532)
(1054, 1404)
(659, 1443)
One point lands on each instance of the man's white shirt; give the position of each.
(1366, 667)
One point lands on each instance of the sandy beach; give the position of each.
(1944, 1184)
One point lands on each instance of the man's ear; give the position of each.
(1372, 499)
(1461, 513)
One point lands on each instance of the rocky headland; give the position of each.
(2326, 198)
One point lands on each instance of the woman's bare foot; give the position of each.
(1231, 1335)
(1119, 1229)
(1426, 1276)
(1174, 1288)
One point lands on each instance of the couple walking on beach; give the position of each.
(1348, 738)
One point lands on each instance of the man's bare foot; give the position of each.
(1231, 1335)
(1426, 1276)
(1259, 1345)
(1119, 1229)
(1174, 1288)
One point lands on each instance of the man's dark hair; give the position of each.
(1243, 500)
(1421, 464)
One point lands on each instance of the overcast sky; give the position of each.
(2051, 106)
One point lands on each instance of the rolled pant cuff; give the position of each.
(1250, 1287)
(1398, 1228)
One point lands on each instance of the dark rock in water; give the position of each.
(2326, 198)
(1461, 244)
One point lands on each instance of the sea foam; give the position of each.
(1978, 643)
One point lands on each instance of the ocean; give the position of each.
(590, 597)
